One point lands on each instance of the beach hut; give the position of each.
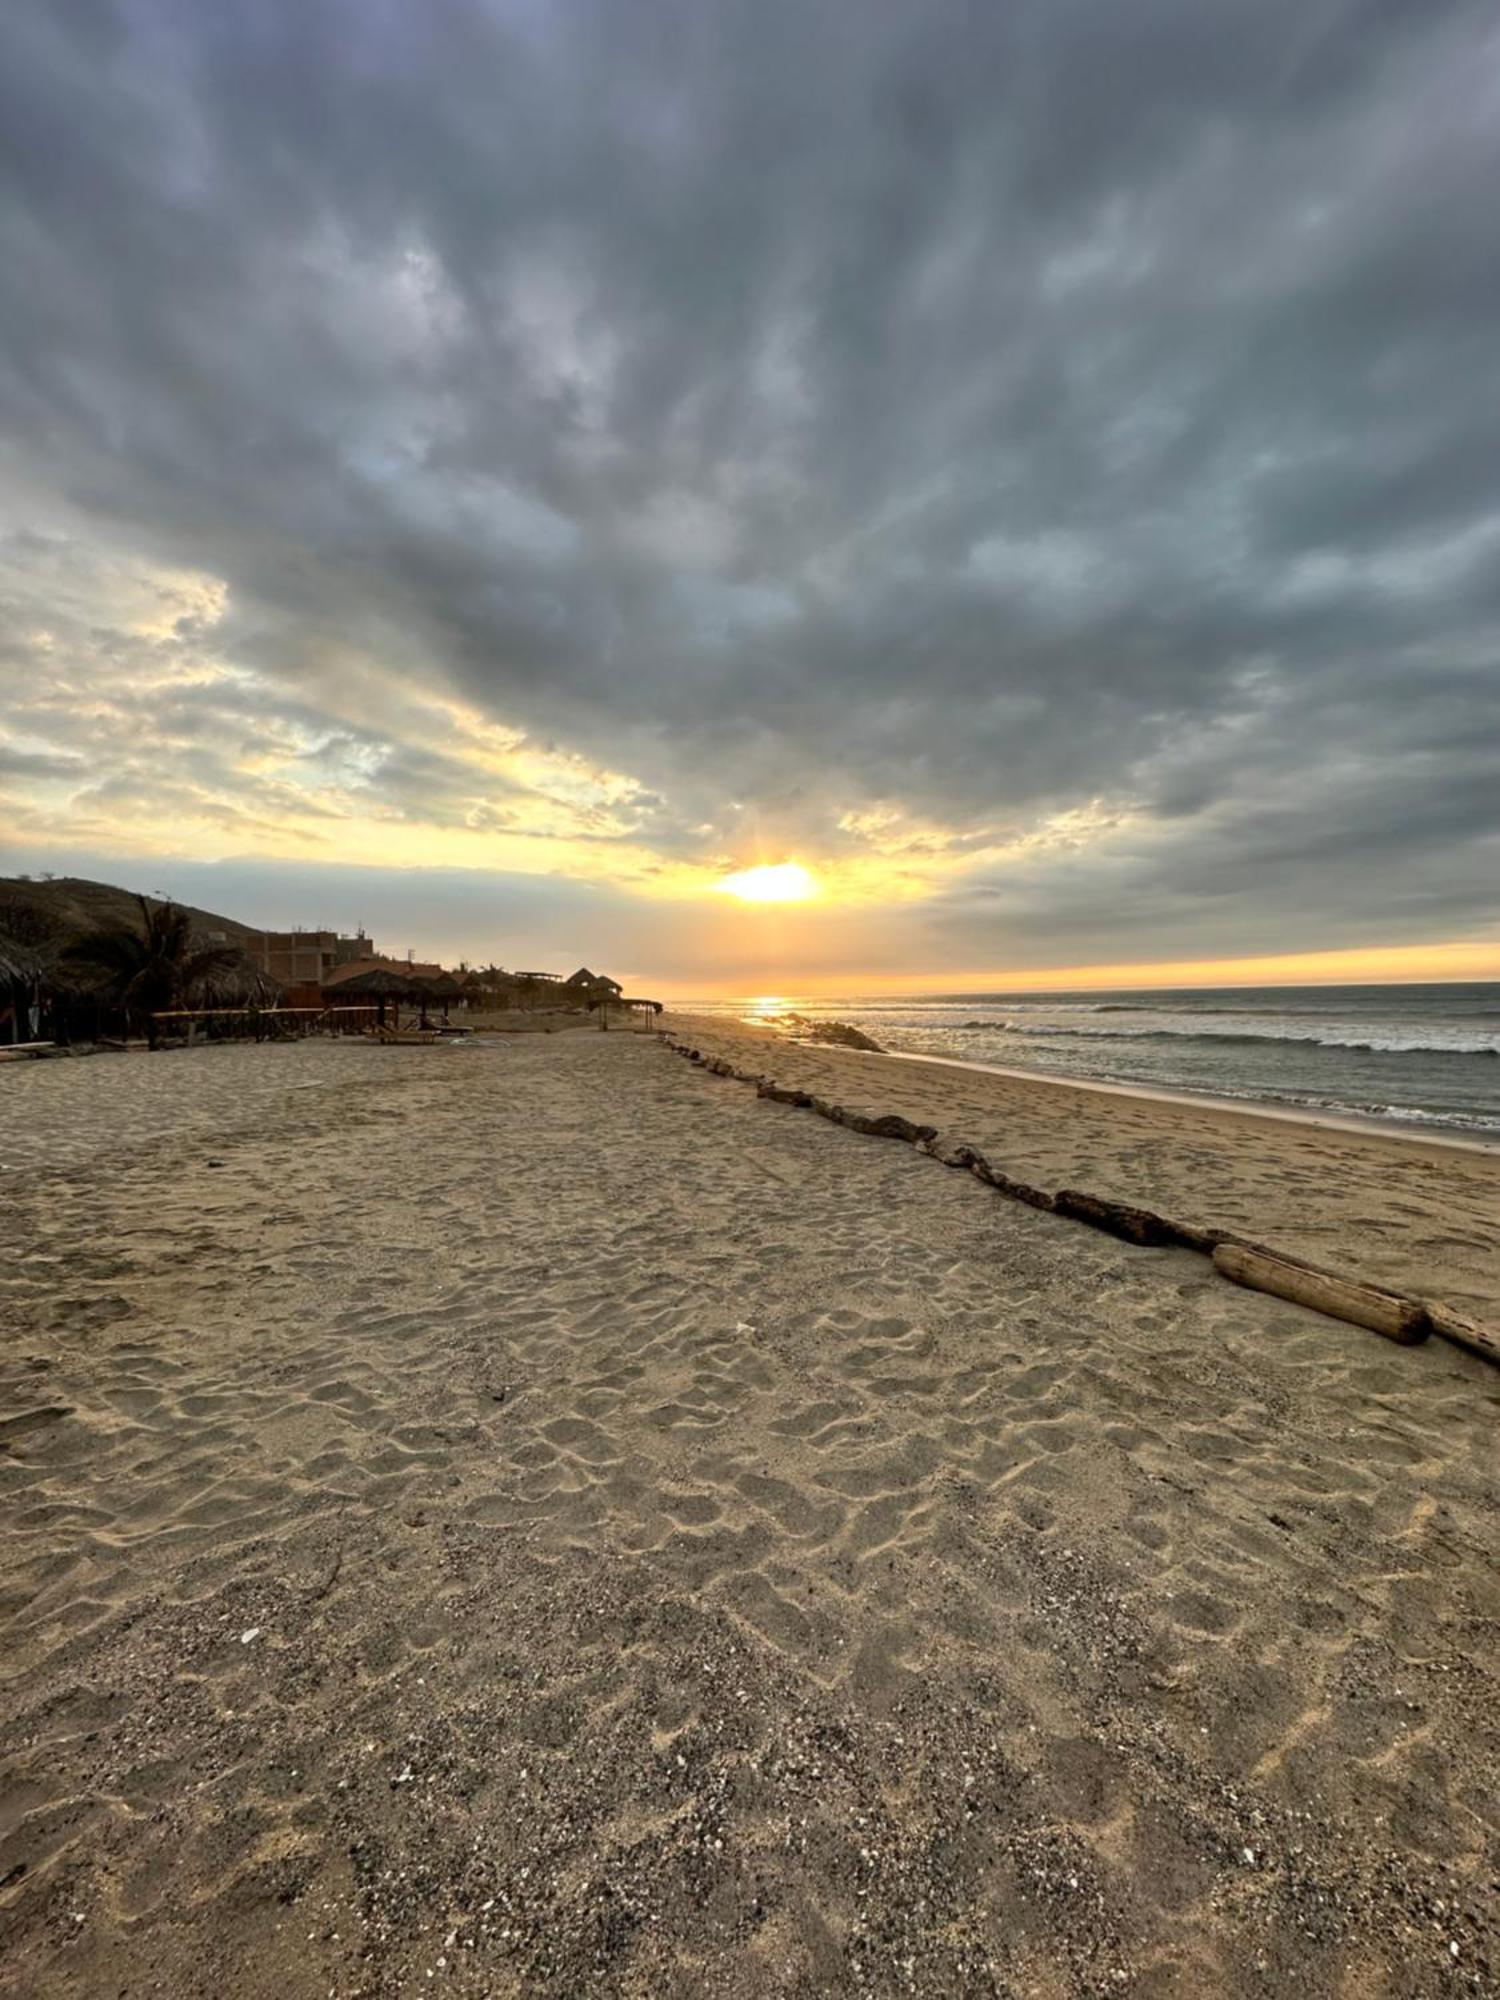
(593, 983)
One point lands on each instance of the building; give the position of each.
(305, 958)
(584, 981)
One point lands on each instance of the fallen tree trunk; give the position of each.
(1400, 1319)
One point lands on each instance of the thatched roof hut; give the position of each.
(584, 981)
(383, 982)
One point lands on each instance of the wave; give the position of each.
(1414, 1114)
(1366, 1040)
(1485, 1124)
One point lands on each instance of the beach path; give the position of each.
(538, 1519)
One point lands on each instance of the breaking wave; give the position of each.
(1373, 1041)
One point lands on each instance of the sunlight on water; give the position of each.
(765, 1010)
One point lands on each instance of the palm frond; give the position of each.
(199, 966)
(116, 952)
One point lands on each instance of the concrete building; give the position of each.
(305, 958)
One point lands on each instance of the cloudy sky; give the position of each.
(494, 468)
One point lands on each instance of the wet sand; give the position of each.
(535, 1518)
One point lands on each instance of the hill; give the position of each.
(48, 915)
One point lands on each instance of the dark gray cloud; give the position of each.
(988, 415)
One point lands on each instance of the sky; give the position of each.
(494, 470)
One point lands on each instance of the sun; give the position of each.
(778, 882)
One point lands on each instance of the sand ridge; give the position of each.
(534, 1516)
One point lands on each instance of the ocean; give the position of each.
(1422, 1055)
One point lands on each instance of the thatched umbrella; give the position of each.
(17, 963)
(384, 982)
(21, 982)
(447, 989)
(636, 1005)
(602, 1002)
(379, 983)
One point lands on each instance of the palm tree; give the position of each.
(149, 969)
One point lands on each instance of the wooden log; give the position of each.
(1450, 1324)
(1116, 1218)
(890, 1125)
(782, 1093)
(1034, 1197)
(1400, 1319)
(1191, 1237)
(951, 1152)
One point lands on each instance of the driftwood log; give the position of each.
(891, 1125)
(1450, 1324)
(951, 1152)
(986, 1171)
(1116, 1218)
(782, 1093)
(1400, 1319)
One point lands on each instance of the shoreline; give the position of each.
(1410, 1212)
(1404, 1070)
(1245, 1107)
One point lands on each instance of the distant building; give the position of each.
(305, 958)
(585, 981)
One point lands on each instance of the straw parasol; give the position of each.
(23, 981)
(384, 982)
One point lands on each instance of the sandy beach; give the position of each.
(1395, 1209)
(535, 1518)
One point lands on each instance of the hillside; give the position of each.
(45, 917)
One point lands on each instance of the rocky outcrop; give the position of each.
(833, 1034)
